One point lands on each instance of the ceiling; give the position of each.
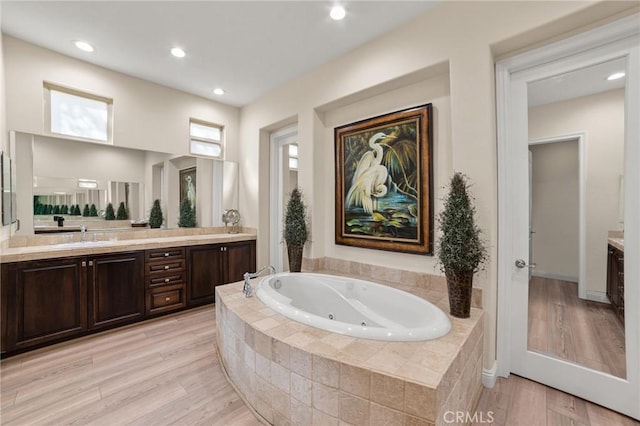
(245, 47)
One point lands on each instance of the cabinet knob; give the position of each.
(91, 263)
(166, 280)
(166, 267)
(166, 255)
(84, 264)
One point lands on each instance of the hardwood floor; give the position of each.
(160, 372)
(166, 372)
(581, 331)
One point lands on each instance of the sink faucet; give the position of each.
(83, 229)
(247, 289)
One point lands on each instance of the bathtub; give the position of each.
(352, 307)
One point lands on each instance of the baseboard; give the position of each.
(552, 276)
(597, 296)
(490, 376)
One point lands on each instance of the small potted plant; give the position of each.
(296, 232)
(155, 217)
(461, 252)
(187, 214)
(109, 213)
(122, 212)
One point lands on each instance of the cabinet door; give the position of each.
(240, 258)
(49, 302)
(116, 289)
(204, 271)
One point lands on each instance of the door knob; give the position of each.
(522, 264)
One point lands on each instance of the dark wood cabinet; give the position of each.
(48, 301)
(615, 280)
(116, 289)
(45, 301)
(216, 264)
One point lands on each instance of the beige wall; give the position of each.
(454, 41)
(554, 209)
(4, 137)
(601, 118)
(146, 115)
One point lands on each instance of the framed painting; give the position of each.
(188, 185)
(384, 196)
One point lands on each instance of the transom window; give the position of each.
(73, 113)
(205, 139)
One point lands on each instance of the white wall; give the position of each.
(5, 231)
(554, 211)
(459, 36)
(601, 117)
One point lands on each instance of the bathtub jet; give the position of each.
(353, 307)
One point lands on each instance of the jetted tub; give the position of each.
(353, 307)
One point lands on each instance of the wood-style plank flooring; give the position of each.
(160, 372)
(581, 331)
(166, 372)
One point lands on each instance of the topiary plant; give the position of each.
(122, 212)
(461, 252)
(187, 215)
(155, 217)
(93, 211)
(109, 213)
(76, 210)
(85, 210)
(296, 231)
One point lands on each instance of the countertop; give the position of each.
(617, 243)
(18, 254)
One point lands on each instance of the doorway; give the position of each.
(283, 178)
(523, 327)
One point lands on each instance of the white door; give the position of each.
(515, 78)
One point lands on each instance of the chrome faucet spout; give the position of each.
(83, 230)
(248, 289)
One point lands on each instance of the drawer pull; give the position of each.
(166, 255)
(166, 299)
(166, 280)
(166, 267)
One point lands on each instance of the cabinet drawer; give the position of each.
(156, 268)
(165, 254)
(171, 278)
(165, 299)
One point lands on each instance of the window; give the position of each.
(293, 156)
(205, 139)
(77, 114)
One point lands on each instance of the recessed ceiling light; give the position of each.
(337, 13)
(83, 45)
(178, 53)
(616, 75)
(218, 91)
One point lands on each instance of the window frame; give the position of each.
(220, 142)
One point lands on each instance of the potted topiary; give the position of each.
(461, 252)
(155, 217)
(109, 214)
(93, 211)
(122, 212)
(295, 229)
(85, 211)
(187, 215)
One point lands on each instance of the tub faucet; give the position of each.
(247, 289)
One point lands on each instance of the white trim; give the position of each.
(620, 39)
(582, 203)
(489, 376)
(552, 276)
(277, 140)
(598, 296)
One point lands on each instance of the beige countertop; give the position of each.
(617, 243)
(18, 254)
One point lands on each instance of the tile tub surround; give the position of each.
(290, 372)
(37, 247)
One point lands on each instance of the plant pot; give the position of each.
(459, 286)
(295, 257)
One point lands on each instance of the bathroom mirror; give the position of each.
(73, 172)
(5, 174)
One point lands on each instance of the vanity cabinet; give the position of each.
(43, 300)
(116, 292)
(216, 264)
(615, 280)
(165, 274)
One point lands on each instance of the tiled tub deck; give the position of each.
(291, 373)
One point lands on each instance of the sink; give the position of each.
(85, 244)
